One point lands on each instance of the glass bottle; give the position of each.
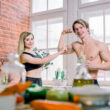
(78, 80)
(87, 79)
(13, 66)
(82, 76)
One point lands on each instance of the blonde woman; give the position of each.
(32, 61)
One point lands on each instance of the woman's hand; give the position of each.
(63, 50)
(66, 31)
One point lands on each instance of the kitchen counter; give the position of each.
(53, 86)
(23, 107)
(96, 108)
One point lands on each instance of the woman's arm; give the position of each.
(29, 59)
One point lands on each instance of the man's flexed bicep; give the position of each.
(104, 53)
(105, 56)
(69, 49)
(61, 44)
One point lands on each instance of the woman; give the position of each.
(32, 61)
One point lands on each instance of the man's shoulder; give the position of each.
(76, 43)
(101, 44)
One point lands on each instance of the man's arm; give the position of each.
(61, 45)
(61, 42)
(105, 55)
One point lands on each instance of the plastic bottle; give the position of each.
(13, 66)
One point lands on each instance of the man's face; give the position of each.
(80, 30)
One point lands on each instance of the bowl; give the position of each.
(7, 102)
(92, 95)
(94, 100)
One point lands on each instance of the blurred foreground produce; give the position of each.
(35, 92)
(57, 95)
(10, 96)
(19, 99)
(17, 88)
(53, 105)
(74, 98)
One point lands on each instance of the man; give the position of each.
(96, 52)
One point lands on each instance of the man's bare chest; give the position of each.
(91, 52)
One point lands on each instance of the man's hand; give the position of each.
(91, 65)
(66, 31)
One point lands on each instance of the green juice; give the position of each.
(78, 82)
(82, 82)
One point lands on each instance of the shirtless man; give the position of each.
(96, 52)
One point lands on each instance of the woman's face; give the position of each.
(29, 42)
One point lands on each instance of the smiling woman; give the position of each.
(32, 61)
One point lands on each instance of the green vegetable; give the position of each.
(57, 95)
(35, 92)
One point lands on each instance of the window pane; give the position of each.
(100, 75)
(107, 26)
(54, 4)
(107, 75)
(57, 63)
(43, 74)
(97, 30)
(88, 1)
(39, 5)
(39, 30)
(55, 26)
(94, 19)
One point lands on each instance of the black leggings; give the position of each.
(96, 82)
(35, 80)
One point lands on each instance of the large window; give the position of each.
(95, 18)
(98, 17)
(86, 3)
(47, 21)
(44, 5)
(47, 33)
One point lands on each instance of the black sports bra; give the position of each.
(29, 66)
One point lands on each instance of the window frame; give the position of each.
(50, 14)
(49, 11)
(92, 3)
